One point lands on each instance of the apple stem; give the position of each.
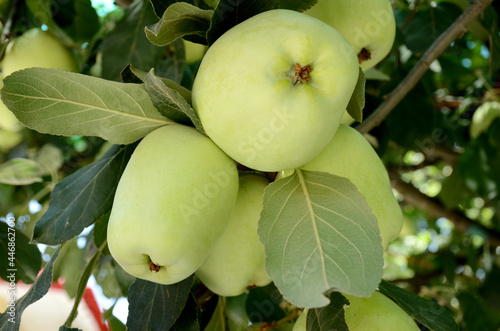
(302, 73)
(364, 55)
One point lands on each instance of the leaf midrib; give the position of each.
(116, 112)
(313, 221)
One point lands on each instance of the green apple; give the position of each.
(237, 259)
(37, 48)
(34, 48)
(193, 52)
(369, 26)
(483, 117)
(350, 155)
(376, 313)
(171, 205)
(272, 90)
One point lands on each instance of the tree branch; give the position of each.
(434, 51)
(436, 209)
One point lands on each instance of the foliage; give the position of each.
(59, 174)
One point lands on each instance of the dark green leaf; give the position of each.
(262, 304)
(428, 313)
(180, 19)
(78, 18)
(82, 197)
(477, 315)
(232, 12)
(428, 24)
(101, 229)
(128, 44)
(330, 317)
(35, 293)
(479, 164)
(303, 215)
(42, 12)
(297, 5)
(357, 102)
(412, 123)
(134, 75)
(154, 306)
(188, 319)
(490, 21)
(24, 260)
(170, 103)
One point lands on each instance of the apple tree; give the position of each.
(254, 165)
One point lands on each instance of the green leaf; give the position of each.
(232, 12)
(319, 234)
(50, 159)
(100, 232)
(82, 285)
(154, 306)
(138, 76)
(375, 74)
(161, 5)
(170, 103)
(128, 44)
(180, 19)
(28, 260)
(428, 313)
(218, 320)
(65, 103)
(330, 317)
(82, 198)
(35, 293)
(427, 25)
(188, 319)
(357, 102)
(20, 172)
(297, 5)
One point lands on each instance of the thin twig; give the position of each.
(434, 51)
(435, 208)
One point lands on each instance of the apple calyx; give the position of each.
(153, 266)
(364, 55)
(302, 73)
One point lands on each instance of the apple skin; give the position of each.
(171, 205)
(34, 48)
(237, 259)
(365, 24)
(248, 99)
(376, 313)
(37, 48)
(351, 156)
(483, 117)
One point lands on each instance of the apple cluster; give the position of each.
(271, 93)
